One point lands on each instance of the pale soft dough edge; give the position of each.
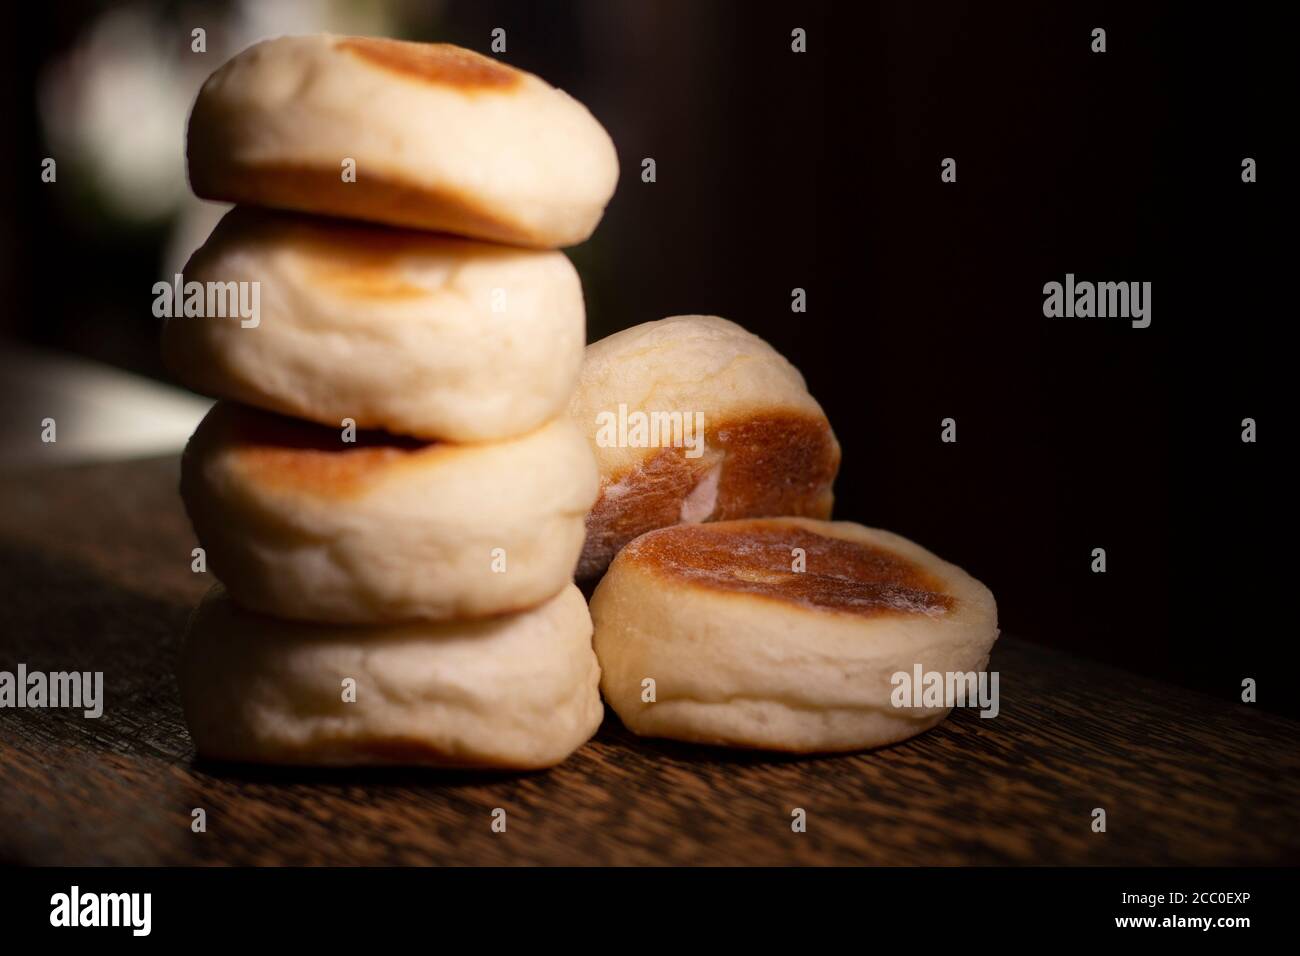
(416, 541)
(517, 692)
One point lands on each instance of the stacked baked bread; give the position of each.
(390, 490)
(400, 476)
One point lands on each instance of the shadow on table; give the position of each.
(353, 776)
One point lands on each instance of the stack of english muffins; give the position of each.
(390, 489)
(411, 455)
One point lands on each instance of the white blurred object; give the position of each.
(115, 107)
(100, 413)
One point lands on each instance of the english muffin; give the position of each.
(692, 419)
(425, 135)
(783, 634)
(301, 524)
(404, 331)
(517, 691)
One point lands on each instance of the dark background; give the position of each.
(821, 171)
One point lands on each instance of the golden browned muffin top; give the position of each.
(756, 557)
(435, 63)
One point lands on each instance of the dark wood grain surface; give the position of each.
(95, 565)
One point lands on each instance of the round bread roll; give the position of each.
(767, 447)
(746, 651)
(426, 135)
(299, 524)
(405, 331)
(518, 691)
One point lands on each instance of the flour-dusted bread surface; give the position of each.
(300, 524)
(411, 332)
(746, 651)
(517, 691)
(440, 138)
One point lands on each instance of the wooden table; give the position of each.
(95, 565)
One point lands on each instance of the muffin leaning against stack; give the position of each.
(390, 491)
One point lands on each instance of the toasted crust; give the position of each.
(836, 573)
(775, 463)
(439, 64)
(373, 197)
(284, 454)
(768, 448)
(347, 259)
